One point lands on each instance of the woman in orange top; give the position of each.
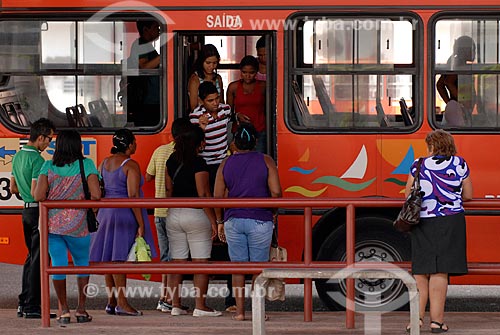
(247, 98)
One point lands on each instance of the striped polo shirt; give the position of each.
(156, 167)
(215, 133)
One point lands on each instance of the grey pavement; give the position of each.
(285, 317)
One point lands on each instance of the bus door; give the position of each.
(232, 47)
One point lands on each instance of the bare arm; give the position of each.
(467, 189)
(41, 188)
(149, 177)
(203, 188)
(13, 186)
(273, 181)
(446, 87)
(231, 91)
(94, 189)
(221, 85)
(409, 184)
(144, 63)
(220, 191)
(193, 85)
(133, 172)
(169, 186)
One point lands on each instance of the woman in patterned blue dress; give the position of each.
(439, 241)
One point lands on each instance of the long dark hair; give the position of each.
(208, 50)
(122, 139)
(187, 144)
(68, 148)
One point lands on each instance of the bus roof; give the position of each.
(199, 4)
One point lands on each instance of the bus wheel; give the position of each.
(376, 241)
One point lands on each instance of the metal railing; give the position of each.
(234, 267)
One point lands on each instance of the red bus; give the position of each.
(351, 94)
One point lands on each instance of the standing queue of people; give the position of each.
(198, 163)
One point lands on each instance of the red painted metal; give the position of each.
(350, 260)
(232, 267)
(307, 261)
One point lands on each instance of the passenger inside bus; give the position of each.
(458, 91)
(261, 57)
(247, 98)
(143, 92)
(205, 70)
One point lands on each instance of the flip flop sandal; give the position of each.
(440, 329)
(83, 318)
(238, 317)
(64, 318)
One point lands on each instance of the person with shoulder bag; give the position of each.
(60, 179)
(438, 242)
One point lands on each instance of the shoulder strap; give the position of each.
(125, 161)
(416, 180)
(177, 172)
(84, 180)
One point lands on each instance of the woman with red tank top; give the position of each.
(247, 98)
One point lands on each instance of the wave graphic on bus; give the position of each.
(356, 170)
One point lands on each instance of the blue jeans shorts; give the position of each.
(248, 240)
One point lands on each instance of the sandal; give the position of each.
(82, 318)
(439, 329)
(408, 328)
(238, 317)
(64, 318)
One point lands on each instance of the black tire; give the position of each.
(376, 240)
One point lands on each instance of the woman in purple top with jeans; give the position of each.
(248, 231)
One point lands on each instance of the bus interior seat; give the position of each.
(77, 117)
(405, 113)
(15, 114)
(324, 98)
(382, 118)
(299, 106)
(99, 111)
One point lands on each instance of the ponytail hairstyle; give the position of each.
(245, 137)
(122, 139)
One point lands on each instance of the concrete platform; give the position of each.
(153, 322)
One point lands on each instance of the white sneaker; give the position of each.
(163, 307)
(200, 312)
(176, 311)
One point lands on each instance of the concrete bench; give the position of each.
(258, 297)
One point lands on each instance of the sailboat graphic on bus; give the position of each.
(356, 170)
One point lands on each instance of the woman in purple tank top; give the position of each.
(247, 231)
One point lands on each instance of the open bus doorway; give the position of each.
(232, 47)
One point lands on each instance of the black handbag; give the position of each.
(409, 215)
(92, 222)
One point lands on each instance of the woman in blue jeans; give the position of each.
(248, 231)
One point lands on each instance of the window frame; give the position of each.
(294, 67)
(475, 69)
(81, 69)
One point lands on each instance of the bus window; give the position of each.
(353, 72)
(54, 65)
(466, 73)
